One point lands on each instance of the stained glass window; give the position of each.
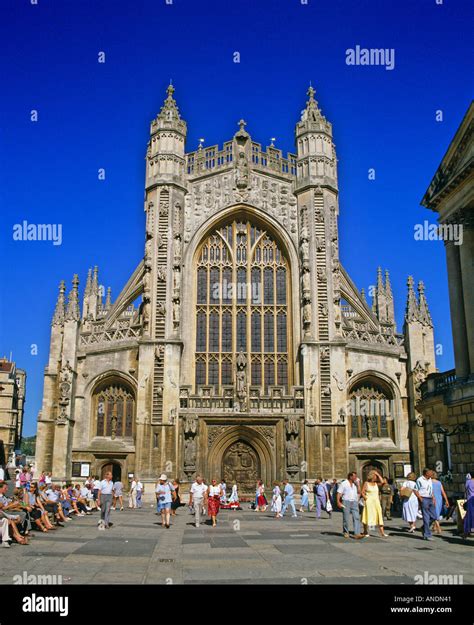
(242, 288)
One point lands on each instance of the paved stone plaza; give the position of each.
(263, 550)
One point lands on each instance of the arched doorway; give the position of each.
(370, 466)
(242, 453)
(115, 468)
(241, 464)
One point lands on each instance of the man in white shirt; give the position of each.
(95, 490)
(348, 493)
(104, 500)
(424, 491)
(197, 497)
(132, 495)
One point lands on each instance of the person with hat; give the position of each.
(165, 494)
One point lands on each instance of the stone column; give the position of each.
(456, 302)
(466, 255)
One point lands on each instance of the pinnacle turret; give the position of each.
(169, 117)
(411, 312)
(423, 311)
(72, 312)
(60, 310)
(108, 299)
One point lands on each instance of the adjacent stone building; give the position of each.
(447, 399)
(239, 347)
(12, 402)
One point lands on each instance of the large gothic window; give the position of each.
(371, 410)
(114, 410)
(242, 301)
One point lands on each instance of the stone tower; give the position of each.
(419, 340)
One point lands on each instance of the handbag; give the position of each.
(406, 492)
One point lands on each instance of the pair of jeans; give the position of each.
(351, 509)
(139, 498)
(428, 511)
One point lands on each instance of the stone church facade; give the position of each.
(239, 347)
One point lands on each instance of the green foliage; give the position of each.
(28, 445)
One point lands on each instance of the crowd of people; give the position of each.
(45, 506)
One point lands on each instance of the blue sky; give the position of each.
(93, 116)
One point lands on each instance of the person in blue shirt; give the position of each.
(289, 499)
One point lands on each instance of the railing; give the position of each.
(274, 401)
(99, 336)
(372, 337)
(210, 159)
(438, 383)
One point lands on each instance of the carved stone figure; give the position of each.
(292, 425)
(177, 251)
(304, 251)
(190, 424)
(190, 452)
(292, 451)
(307, 315)
(176, 312)
(306, 284)
(176, 282)
(241, 379)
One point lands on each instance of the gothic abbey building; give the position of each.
(251, 353)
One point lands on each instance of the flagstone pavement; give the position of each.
(246, 547)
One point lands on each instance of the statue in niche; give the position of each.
(190, 452)
(368, 426)
(304, 251)
(145, 312)
(242, 174)
(292, 451)
(306, 283)
(176, 282)
(149, 227)
(176, 311)
(148, 249)
(241, 379)
(177, 250)
(178, 216)
(307, 315)
(146, 282)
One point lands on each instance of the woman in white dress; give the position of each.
(276, 500)
(410, 504)
(304, 496)
(234, 495)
